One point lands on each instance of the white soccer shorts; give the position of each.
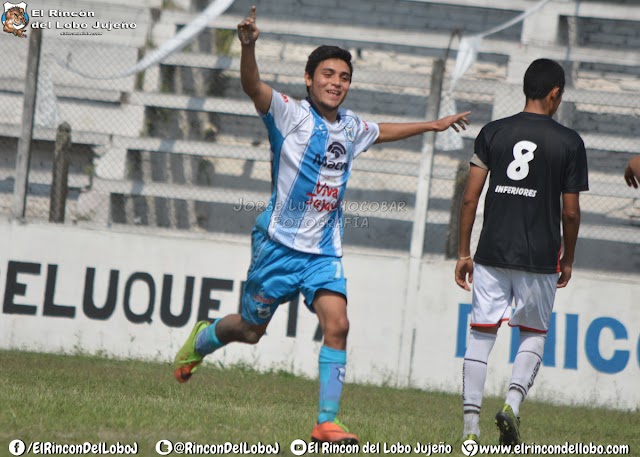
(494, 291)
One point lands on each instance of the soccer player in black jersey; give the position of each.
(536, 169)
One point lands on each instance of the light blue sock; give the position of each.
(332, 364)
(207, 341)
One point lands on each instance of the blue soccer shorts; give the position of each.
(278, 274)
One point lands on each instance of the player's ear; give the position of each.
(307, 79)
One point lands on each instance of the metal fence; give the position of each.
(179, 148)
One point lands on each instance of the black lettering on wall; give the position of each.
(242, 283)
(206, 302)
(292, 320)
(165, 302)
(50, 308)
(88, 305)
(318, 334)
(13, 287)
(146, 316)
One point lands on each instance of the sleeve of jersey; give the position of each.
(481, 151)
(367, 133)
(576, 178)
(283, 115)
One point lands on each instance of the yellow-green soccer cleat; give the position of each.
(187, 360)
(509, 426)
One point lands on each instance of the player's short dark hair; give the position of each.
(327, 52)
(541, 77)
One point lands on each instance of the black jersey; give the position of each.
(532, 160)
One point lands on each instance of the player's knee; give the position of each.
(337, 329)
(252, 334)
(252, 337)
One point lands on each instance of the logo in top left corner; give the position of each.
(15, 19)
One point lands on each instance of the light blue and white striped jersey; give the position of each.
(311, 160)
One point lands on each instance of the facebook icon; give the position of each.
(17, 447)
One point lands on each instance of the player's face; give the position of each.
(329, 85)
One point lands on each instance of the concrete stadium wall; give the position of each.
(123, 295)
(608, 33)
(394, 14)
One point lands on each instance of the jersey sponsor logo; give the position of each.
(522, 155)
(285, 98)
(512, 190)
(324, 198)
(329, 164)
(334, 162)
(337, 149)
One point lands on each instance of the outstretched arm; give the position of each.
(470, 198)
(632, 173)
(402, 130)
(258, 91)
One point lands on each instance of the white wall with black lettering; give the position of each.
(592, 351)
(72, 290)
(66, 289)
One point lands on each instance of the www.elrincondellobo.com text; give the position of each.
(471, 448)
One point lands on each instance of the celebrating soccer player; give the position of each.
(296, 242)
(536, 168)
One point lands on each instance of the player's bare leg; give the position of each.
(205, 338)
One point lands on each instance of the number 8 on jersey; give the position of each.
(519, 168)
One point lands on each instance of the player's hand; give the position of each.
(565, 273)
(632, 181)
(248, 31)
(456, 121)
(464, 270)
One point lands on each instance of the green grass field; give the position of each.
(73, 399)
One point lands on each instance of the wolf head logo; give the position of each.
(15, 19)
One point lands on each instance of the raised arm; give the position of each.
(570, 227)
(400, 131)
(258, 91)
